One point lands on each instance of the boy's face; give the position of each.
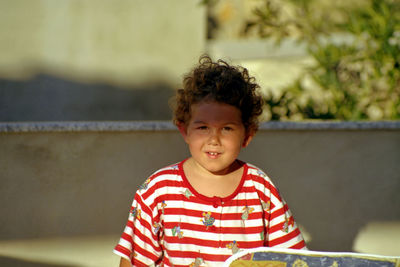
(215, 135)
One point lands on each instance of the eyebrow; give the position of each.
(202, 122)
(199, 122)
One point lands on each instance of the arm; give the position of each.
(124, 263)
(138, 242)
(282, 229)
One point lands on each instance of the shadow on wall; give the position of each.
(7, 261)
(49, 98)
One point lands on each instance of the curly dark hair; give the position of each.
(218, 81)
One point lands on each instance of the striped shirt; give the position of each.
(170, 224)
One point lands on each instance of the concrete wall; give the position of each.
(48, 98)
(95, 59)
(68, 180)
(121, 42)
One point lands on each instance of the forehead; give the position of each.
(215, 112)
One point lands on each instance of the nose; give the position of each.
(214, 138)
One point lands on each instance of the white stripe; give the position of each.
(121, 255)
(224, 251)
(125, 244)
(277, 220)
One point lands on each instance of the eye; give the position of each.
(203, 127)
(228, 128)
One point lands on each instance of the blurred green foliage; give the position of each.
(356, 53)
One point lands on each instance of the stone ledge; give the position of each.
(126, 126)
(87, 126)
(331, 125)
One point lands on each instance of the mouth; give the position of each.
(213, 154)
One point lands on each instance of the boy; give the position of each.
(202, 210)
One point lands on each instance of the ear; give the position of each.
(247, 139)
(182, 129)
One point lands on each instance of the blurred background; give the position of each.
(66, 192)
(95, 60)
(314, 59)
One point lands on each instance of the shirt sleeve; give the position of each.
(139, 242)
(282, 230)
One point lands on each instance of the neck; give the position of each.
(202, 172)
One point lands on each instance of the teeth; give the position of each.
(213, 153)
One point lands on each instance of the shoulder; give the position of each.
(260, 180)
(168, 170)
(164, 177)
(256, 174)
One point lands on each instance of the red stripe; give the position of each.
(143, 224)
(214, 229)
(285, 238)
(127, 253)
(137, 248)
(127, 237)
(192, 254)
(143, 207)
(130, 224)
(275, 228)
(190, 240)
(187, 212)
(195, 200)
(145, 253)
(160, 184)
(277, 213)
(164, 172)
(123, 250)
(261, 180)
(273, 190)
(150, 191)
(212, 243)
(219, 216)
(299, 245)
(276, 194)
(262, 196)
(142, 237)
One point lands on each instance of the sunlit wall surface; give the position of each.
(95, 59)
(122, 41)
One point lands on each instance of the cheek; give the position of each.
(194, 140)
(234, 142)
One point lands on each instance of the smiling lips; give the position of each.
(213, 154)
